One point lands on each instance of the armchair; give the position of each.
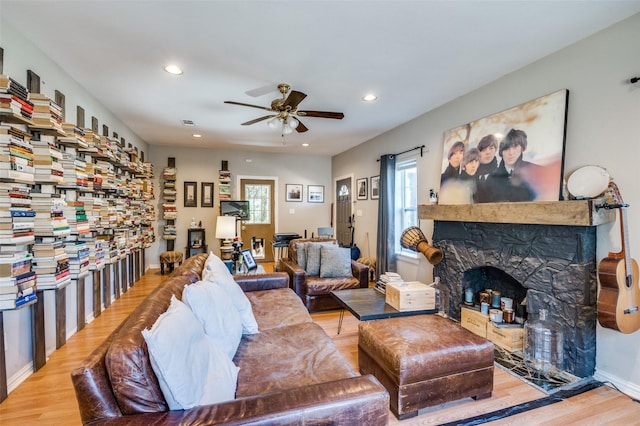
(310, 284)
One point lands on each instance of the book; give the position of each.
(16, 303)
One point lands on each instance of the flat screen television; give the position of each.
(238, 209)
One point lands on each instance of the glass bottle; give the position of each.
(543, 344)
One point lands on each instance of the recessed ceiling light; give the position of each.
(173, 69)
(369, 98)
(305, 144)
(195, 135)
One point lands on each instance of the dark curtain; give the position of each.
(385, 247)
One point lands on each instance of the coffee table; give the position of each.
(369, 304)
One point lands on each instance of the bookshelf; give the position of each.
(196, 242)
(73, 203)
(169, 207)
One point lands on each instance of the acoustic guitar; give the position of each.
(618, 273)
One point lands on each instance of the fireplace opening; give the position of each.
(488, 277)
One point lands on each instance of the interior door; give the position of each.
(258, 231)
(343, 211)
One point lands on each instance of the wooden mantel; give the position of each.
(570, 213)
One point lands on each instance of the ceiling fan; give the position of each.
(284, 109)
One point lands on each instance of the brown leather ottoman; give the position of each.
(425, 360)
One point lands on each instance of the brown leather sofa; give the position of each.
(290, 373)
(314, 290)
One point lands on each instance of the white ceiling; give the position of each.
(415, 55)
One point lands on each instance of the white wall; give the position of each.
(202, 165)
(603, 128)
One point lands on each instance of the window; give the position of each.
(258, 197)
(406, 201)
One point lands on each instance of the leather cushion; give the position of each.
(422, 347)
(320, 286)
(287, 358)
(284, 301)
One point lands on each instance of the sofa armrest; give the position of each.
(358, 400)
(297, 276)
(361, 272)
(267, 281)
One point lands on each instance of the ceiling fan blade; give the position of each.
(321, 114)
(248, 105)
(257, 120)
(294, 99)
(301, 127)
(260, 91)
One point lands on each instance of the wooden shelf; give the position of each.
(568, 213)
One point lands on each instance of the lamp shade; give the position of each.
(226, 227)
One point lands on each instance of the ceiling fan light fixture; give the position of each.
(292, 122)
(274, 123)
(287, 130)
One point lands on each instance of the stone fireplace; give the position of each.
(552, 264)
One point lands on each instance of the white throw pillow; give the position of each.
(216, 265)
(240, 301)
(217, 314)
(190, 368)
(217, 272)
(335, 262)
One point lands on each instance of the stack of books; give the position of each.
(89, 171)
(17, 280)
(75, 176)
(93, 209)
(120, 240)
(46, 113)
(16, 153)
(108, 172)
(51, 263)
(16, 214)
(14, 98)
(50, 220)
(74, 136)
(78, 253)
(77, 217)
(169, 211)
(46, 160)
(92, 140)
(387, 277)
(96, 253)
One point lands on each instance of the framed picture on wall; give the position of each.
(206, 191)
(315, 193)
(191, 194)
(361, 188)
(513, 155)
(375, 187)
(294, 192)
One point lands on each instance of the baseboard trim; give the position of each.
(624, 386)
(17, 379)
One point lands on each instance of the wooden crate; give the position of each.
(410, 296)
(511, 339)
(474, 321)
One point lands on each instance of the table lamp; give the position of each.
(226, 231)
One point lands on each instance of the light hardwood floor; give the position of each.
(47, 396)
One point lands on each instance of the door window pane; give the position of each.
(259, 197)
